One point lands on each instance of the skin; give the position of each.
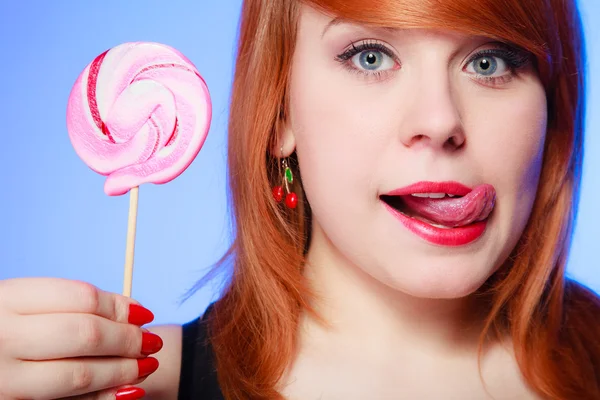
(411, 318)
(164, 383)
(430, 115)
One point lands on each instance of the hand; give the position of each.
(62, 338)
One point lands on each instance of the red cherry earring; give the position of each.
(291, 199)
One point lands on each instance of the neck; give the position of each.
(362, 310)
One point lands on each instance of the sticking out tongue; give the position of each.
(454, 211)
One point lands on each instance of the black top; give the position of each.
(198, 379)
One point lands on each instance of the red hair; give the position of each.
(552, 321)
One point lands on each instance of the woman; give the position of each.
(416, 246)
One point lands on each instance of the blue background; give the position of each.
(55, 219)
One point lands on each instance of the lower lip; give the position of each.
(451, 237)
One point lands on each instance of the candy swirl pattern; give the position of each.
(138, 113)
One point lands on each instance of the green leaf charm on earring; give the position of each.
(288, 175)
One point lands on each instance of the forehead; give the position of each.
(312, 19)
(337, 20)
(317, 25)
(506, 19)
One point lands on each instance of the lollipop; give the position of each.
(138, 113)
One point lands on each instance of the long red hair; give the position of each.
(553, 322)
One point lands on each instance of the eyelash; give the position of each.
(515, 60)
(355, 49)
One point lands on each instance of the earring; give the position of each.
(291, 199)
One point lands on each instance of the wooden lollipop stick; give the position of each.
(130, 248)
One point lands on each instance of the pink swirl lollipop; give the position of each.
(139, 113)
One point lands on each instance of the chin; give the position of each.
(427, 280)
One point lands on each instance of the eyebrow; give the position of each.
(339, 20)
(333, 22)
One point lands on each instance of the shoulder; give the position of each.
(186, 363)
(164, 383)
(198, 378)
(582, 321)
(581, 301)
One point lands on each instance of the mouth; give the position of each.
(445, 213)
(398, 204)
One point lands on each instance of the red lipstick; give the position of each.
(450, 187)
(447, 236)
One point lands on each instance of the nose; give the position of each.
(431, 116)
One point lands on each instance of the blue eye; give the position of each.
(368, 58)
(497, 62)
(488, 65)
(372, 60)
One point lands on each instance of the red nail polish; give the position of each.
(132, 393)
(151, 343)
(146, 366)
(139, 315)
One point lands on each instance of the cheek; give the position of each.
(509, 138)
(338, 135)
(508, 144)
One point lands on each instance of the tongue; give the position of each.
(455, 211)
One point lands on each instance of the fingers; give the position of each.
(28, 296)
(59, 334)
(124, 393)
(72, 377)
(43, 338)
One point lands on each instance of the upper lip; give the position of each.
(449, 187)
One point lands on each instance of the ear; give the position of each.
(284, 142)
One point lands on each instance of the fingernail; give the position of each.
(151, 343)
(146, 366)
(131, 393)
(139, 315)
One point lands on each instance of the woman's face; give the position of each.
(376, 110)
